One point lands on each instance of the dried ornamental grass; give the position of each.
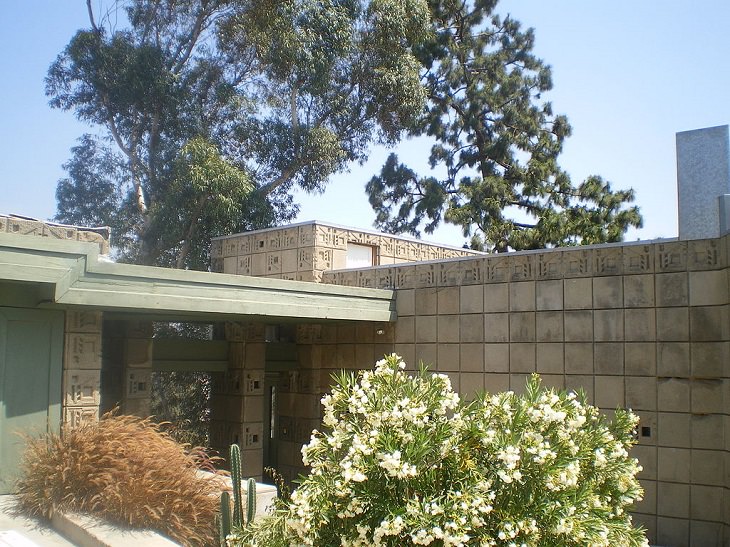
(123, 469)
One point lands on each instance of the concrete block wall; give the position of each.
(82, 367)
(323, 350)
(642, 325)
(14, 224)
(137, 368)
(237, 403)
(303, 252)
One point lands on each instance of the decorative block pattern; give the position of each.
(38, 228)
(308, 251)
(83, 321)
(75, 416)
(83, 350)
(82, 387)
(82, 367)
(138, 384)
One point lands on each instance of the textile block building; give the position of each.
(644, 325)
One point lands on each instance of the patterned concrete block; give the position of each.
(82, 351)
(83, 321)
(82, 387)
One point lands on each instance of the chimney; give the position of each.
(703, 182)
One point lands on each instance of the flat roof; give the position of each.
(80, 278)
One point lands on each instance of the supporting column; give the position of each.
(82, 367)
(237, 407)
(138, 368)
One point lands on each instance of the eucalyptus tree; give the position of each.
(207, 113)
(496, 145)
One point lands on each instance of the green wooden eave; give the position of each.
(80, 278)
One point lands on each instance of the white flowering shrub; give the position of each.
(403, 462)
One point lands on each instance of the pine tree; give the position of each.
(498, 143)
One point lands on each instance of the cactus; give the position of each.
(250, 500)
(237, 521)
(235, 461)
(225, 517)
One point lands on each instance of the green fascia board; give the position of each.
(81, 279)
(34, 267)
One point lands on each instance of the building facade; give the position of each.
(643, 326)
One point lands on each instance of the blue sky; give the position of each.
(628, 75)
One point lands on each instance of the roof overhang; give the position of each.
(74, 276)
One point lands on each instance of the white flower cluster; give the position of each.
(394, 467)
(404, 462)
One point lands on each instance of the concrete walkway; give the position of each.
(69, 530)
(16, 531)
(74, 530)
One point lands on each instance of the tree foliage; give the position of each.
(496, 145)
(260, 96)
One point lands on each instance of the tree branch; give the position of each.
(185, 250)
(91, 17)
(191, 40)
(284, 177)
